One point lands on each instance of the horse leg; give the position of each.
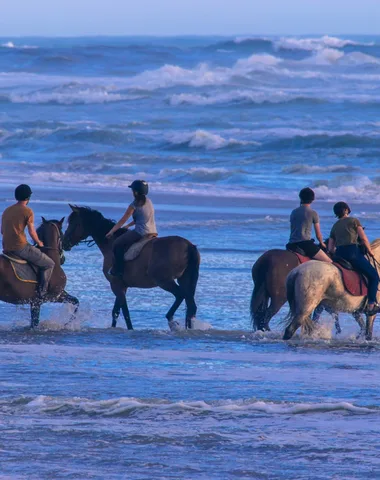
(337, 323)
(359, 319)
(120, 290)
(173, 288)
(191, 307)
(317, 313)
(35, 309)
(292, 328)
(115, 313)
(276, 303)
(369, 326)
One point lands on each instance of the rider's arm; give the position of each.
(318, 234)
(123, 219)
(363, 237)
(331, 246)
(33, 233)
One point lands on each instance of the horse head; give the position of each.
(50, 233)
(77, 229)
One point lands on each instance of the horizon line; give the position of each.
(188, 35)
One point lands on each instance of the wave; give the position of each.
(69, 96)
(12, 45)
(307, 169)
(126, 406)
(325, 140)
(200, 174)
(317, 43)
(330, 56)
(244, 97)
(306, 44)
(204, 139)
(359, 189)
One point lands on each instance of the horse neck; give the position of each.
(99, 236)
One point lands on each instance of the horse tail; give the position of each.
(192, 270)
(260, 296)
(189, 279)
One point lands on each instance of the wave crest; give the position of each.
(125, 406)
(204, 139)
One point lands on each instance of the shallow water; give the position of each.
(226, 131)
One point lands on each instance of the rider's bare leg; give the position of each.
(322, 256)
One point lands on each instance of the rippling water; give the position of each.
(226, 131)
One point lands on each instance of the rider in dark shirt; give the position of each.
(344, 240)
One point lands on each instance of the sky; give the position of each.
(187, 17)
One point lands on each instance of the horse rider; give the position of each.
(344, 241)
(142, 212)
(15, 220)
(301, 221)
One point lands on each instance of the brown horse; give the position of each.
(269, 275)
(160, 263)
(17, 292)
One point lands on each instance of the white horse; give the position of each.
(318, 282)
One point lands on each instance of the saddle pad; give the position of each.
(354, 282)
(23, 271)
(301, 258)
(135, 250)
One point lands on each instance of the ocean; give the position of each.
(226, 131)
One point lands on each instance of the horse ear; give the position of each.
(61, 221)
(73, 208)
(44, 220)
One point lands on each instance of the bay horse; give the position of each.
(17, 292)
(315, 282)
(159, 264)
(269, 274)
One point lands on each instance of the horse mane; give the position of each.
(99, 224)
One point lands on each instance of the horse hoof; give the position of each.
(174, 326)
(287, 335)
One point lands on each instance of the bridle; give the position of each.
(59, 247)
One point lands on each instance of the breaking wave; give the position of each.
(125, 406)
(203, 139)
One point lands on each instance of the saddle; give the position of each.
(134, 250)
(24, 271)
(354, 282)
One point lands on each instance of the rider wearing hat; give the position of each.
(344, 237)
(301, 221)
(142, 212)
(15, 220)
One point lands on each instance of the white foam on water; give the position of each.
(316, 43)
(12, 45)
(125, 405)
(204, 139)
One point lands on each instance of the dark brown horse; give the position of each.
(269, 274)
(17, 292)
(160, 263)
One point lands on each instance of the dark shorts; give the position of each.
(308, 246)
